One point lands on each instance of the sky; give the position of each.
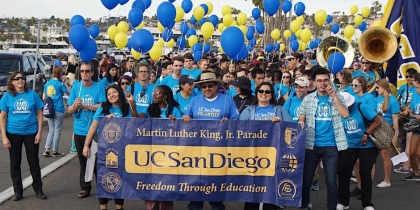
(94, 8)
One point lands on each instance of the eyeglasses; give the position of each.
(365, 62)
(264, 91)
(85, 71)
(286, 77)
(141, 72)
(19, 78)
(206, 86)
(125, 83)
(408, 76)
(322, 80)
(355, 85)
(156, 92)
(143, 92)
(177, 65)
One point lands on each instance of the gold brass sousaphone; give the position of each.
(331, 45)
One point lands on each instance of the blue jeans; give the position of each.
(329, 157)
(54, 133)
(198, 205)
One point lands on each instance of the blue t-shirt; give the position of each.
(164, 113)
(21, 112)
(231, 92)
(171, 82)
(223, 106)
(324, 130)
(292, 106)
(194, 73)
(92, 95)
(347, 89)
(393, 107)
(55, 90)
(406, 93)
(143, 102)
(369, 76)
(354, 125)
(57, 63)
(116, 111)
(264, 112)
(367, 99)
(183, 102)
(415, 103)
(105, 83)
(282, 90)
(253, 87)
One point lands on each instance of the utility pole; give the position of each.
(36, 58)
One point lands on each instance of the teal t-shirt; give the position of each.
(56, 89)
(183, 102)
(393, 107)
(292, 106)
(324, 130)
(143, 96)
(194, 73)
(354, 125)
(171, 82)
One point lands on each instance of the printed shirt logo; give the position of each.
(264, 116)
(142, 101)
(379, 108)
(404, 97)
(208, 112)
(323, 112)
(50, 91)
(296, 113)
(87, 100)
(175, 88)
(21, 106)
(352, 126)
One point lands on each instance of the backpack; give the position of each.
(48, 110)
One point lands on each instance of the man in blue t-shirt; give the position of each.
(60, 57)
(189, 67)
(143, 89)
(292, 105)
(172, 80)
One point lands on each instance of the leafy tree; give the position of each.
(376, 7)
(235, 11)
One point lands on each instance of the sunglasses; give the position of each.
(365, 62)
(355, 85)
(264, 91)
(85, 71)
(291, 59)
(408, 76)
(157, 92)
(125, 83)
(19, 78)
(206, 86)
(286, 77)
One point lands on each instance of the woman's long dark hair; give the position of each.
(11, 88)
(154, 109)
(108, 76)
(272, 100)
(106, 106)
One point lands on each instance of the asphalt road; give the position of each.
(61, 187)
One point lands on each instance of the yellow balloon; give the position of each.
(221, 49)
(192, 40)
(297, 33)
(160, 27)
(136, 55)
(207, 29)
(358, 20)
(241, 18)
(320, 17)
(140, 26)
(226, 10)
(348, 31)
(287, 34)
(282, 46)
(234, 23)
(294, 26)
(122, 26)
(275, 34)
(170, 43)
(198, 13)
(221, 27)
(210, 6)
(300, 19)
(179, 14)
(365, 12)
(302, 46)
(349, 40)
(112, 31)
(227, 20)
(243, 29)
(376, 23)
(306, 35)
(353, 9)
(155, 52)
(121, 40)
(160, 42)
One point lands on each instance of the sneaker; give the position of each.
(368, 208)
(57, 154)
(353, 179)
(46, 154)
(383, 184)
(342, 207)
(412, 177)
(401, 170)
(411, 170)
(315, 187)
(355, 192)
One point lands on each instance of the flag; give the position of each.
(403, 19)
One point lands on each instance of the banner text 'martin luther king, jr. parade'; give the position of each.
(154, 159)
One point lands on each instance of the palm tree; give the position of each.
(376, 7)
(235, 11)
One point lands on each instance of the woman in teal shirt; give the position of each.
(111, 75)
(21, 124)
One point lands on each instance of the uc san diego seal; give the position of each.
(111, 182)
(112, 133)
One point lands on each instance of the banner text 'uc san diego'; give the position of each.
(157, 159)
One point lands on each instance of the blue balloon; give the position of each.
(271, 6)
(268, 48)
(329, 19)
(362, 26)
(172, 1)
(260, 28)
(202, 21)
(299, 8)
(197, 47)
(139, 4)
(94, 31)
(191, 32)
(336, 62)
(147, 3)
(286, 6)
(249, 35)
(142, 40)
(205, 7)
(78, 37)
(249, 47)
(276, 47)
(77, 20)
(184, 28)
(232, 40)
(253, 42)
(294, 45)
(122, 2)
(135, 17)
(167, 34)
(206, 47)
(312, 44)
(335, 28)
(292, 37)
(214, 20)
(181, 42)
(89, 52)
(251, 28)
(318, 41)
(243, 53)
(166, 13)
(171, 25)
(110, 4)
(256, 13)
(193, 20)
(197, 56)
(128, 44)
(187, 5)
